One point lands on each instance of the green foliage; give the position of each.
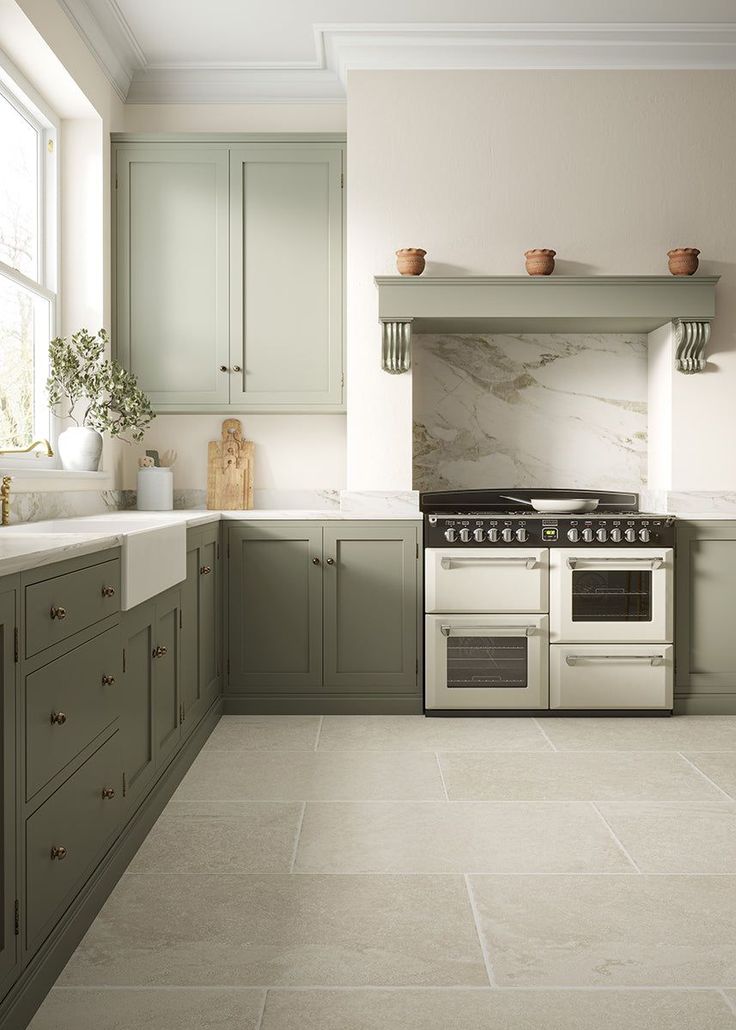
(79, 371)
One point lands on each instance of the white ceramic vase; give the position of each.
(80, 449)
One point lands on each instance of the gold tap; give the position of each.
(5, 501)
(36, 443)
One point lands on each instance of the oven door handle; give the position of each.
(653, 563)
(456, 563)
(486, 631)
(653, 659)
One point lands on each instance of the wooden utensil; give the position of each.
(230, 469)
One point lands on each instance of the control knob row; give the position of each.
(508, 535)
(602, 534)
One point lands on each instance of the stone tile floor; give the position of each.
(380, 872)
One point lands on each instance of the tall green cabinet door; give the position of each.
(370, 606)
(200, 640)
(286, 276)
(9, 952)
(275, 607)
(136, 708)
(166, 657)
(172, 271)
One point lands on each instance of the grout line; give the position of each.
(481, 940)
(259, 1021)
(511, 988)
(731, 1004)
(538, 724)
(615, 838)
(488, 874)
(442, 775)
(319, 731)
(455, 801)
(475, 750)
(705, 777)
(296, 838)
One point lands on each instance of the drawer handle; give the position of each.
(57, 612)
(58, 718)
(330, 561)
(159, 652)
(107, 681)
(58, 852)
(107, 793)
(652, 659)
(205, 570)
(108, 591)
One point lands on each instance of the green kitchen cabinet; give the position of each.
(200, 643)
(136, 715)
(9, 951)
(166, 658)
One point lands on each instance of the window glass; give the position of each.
(24, 331)
(18, 191)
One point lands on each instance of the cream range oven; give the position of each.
(525, 612)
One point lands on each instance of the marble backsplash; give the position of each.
(544, 410)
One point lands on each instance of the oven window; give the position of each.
(616, 596)
(487, 662)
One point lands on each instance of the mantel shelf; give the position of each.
(545, 304)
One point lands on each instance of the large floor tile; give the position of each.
(265, 733)
(221, 837)
(417, 733)
(719, 767)
(677, 733)
(580, 931)
(676, 838)
(151, 1009)
(311, 776)
(278, 930)
(496, 1010)
(384, 837)
(568, 776)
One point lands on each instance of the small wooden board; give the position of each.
(230, 469)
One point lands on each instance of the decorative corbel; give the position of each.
(396, 345)
(691, 339)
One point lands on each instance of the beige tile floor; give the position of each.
(399, 873)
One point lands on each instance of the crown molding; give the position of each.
(342, 48)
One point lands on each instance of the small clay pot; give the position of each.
(540, 262)
(410, 260)
(683, 260)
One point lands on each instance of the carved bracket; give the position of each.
(691, 339)
(396, 341)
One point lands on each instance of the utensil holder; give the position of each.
(155, 489)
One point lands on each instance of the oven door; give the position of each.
(597, 595)
(485, 662)
(486, 579)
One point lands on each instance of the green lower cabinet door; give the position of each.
(166, 655)
(209, 615)
(9, 952)
(136, 709)
(191, 690)
(370, 607)
(275, 607)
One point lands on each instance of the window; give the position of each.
(27, 263)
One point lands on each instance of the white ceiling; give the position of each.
(164, 51)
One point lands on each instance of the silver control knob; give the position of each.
(479, 534)
(573, 535)
(450, 536)
(507, 535)
(521, 535)
(493, 536)
(465, 535)
(630, 535)
(587, 535)
(644, 535)
(601, 535)
(616, 536)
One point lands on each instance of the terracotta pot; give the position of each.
(683, 260)
(540, 262)
(410, 260)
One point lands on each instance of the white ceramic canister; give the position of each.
(155, 489)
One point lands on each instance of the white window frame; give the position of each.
(16, 90)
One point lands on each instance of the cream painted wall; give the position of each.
(611, 169)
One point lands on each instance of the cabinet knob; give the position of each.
(57, 612)
(58, 852)
(223, 368)
(108, 591)
(107, 681)
(237, 368)
(58, 718)
(107, 793)
(205, 570)
(160, 651)
(315, 561)
(330, 561)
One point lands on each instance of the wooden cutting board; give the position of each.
(230, 469)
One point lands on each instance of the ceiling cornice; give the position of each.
(342, 48)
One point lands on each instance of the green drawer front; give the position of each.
(56, 608)
(79, 820)
(68, 703)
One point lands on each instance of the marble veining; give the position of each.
(371, 502)
(37, 506)
(530, 410)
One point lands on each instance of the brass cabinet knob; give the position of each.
(315, 561)
(57, 612)
(163, 650)
(205, 570)
(107, 793)
(58, 852)
(107, 681)
(58, 718)
(330, 561)
(159, 651)
(223, 368)
(237, 368)
(108, 591)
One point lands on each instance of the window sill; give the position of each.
(28, 480)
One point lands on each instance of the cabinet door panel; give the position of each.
(172, 270)
(286, 275)
(209, 616)
(275, 607)
(8, 940)
(370, 607)
(166, 665)
(136, 711)
(191, 689)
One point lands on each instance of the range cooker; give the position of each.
(546, 613)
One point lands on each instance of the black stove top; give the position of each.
(485, 502)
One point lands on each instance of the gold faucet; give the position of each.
(5, 501)
(36, 443)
